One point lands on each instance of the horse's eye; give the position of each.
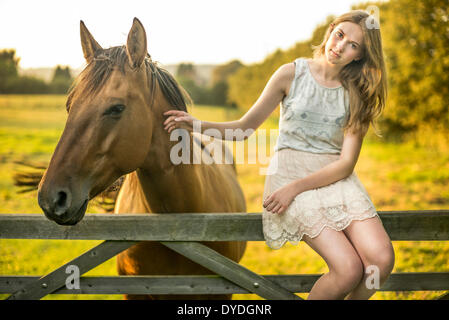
(115, 110)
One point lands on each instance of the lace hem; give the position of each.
(295, 238)
(334, 205)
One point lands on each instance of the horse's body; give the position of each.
(115, 127)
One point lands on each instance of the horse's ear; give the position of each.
(90, 46)
(136, 46)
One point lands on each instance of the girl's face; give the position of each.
(344, 44)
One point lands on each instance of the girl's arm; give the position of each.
(275, 90)
(279, 201)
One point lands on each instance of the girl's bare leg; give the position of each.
(345, 266)
(374, 247)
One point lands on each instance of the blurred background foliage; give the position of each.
(13, 83)
(216, 93)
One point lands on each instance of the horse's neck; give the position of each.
(165, 186)
(169, 191)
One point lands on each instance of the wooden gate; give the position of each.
(182, 233)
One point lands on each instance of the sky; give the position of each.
(46, 33)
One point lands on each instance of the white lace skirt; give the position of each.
(334, 205)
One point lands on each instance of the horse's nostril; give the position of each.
(61, 202)
(61, 199)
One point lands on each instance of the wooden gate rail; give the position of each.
(400, 226)
(213, 284)
(180, 233)
(56, 279)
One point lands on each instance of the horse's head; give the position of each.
(109, 126)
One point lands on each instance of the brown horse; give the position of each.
(115, 127)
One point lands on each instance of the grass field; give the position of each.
(397, 177)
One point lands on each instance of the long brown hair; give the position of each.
(366, 78)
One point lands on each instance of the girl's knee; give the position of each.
(383, 258)
(348, 274)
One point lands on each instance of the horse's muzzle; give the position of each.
(59, 206)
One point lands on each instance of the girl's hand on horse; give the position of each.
(279, 201)
(178, 119)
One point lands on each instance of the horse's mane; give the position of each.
(98, 71)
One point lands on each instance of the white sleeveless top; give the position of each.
(312, 116)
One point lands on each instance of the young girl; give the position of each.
(328, 104)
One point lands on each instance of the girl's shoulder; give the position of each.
(284, 76)
(287, 71)
(293, 69)
(300, 67)
(292, 72)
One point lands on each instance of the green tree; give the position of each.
(27, 85)
(220, 86)
(416, 44)
(62, 80)
(11, 82)
(8, 69)
(186, 71)
(222, 72)
(187, 77)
